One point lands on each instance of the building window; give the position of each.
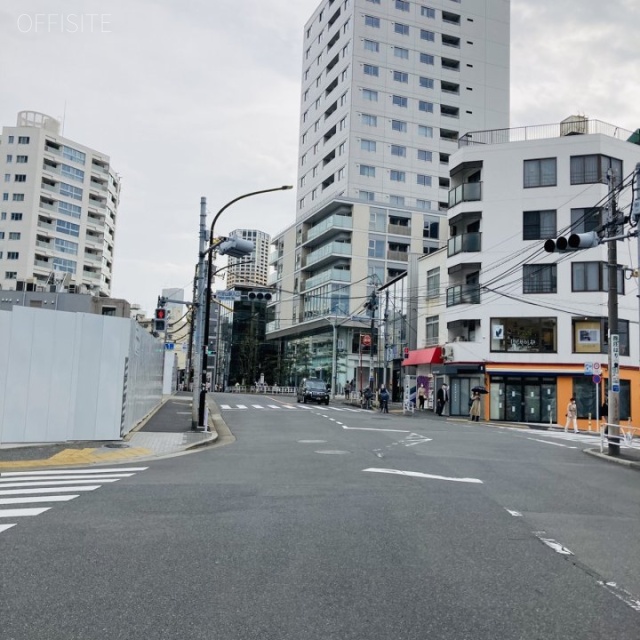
(73, 154)
(539, 278)
(69, 209)
(372, 45)
(66, 246)
(371, 70)
(538, 225)
(433, 283)
(530, 335)
(368, 196)
(399, 125)
(425, 155)
(12, 255)
(397, 150)
(368, 145)
(16, 216)
(426, 132)
(396, 201)
(10, 275)
(62, 226)
(397, 176)
(427, 58)
(399, 52)
(425, 106)
(400, 76)
(367, 170)
(62, 264)
(18, 197)
(370, 94)
(7, 177)
(23, 139)
(593, 276)
(400, 101)
(9, 158)
(342, 148)
(427, 12)
(585, 220)
(594, 168)
(432, 331)
(402, 29)
(423, 181)
(70, 191)
(423, 204)
(426, 83)
(13, 235)
(591, 335)
(427, 35)
(22, 159)
(376, 248)
(372, 21)
(402, 5)
(10, 140)
(540, 173)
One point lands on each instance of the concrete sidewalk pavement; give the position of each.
(166, 431)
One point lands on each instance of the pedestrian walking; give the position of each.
(347, 391)
(422, 394)
(572, 416)
(384, 400)
(474, 409)
(604, 415)
(368, 394)
(442, 397)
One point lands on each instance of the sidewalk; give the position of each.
(166, 431)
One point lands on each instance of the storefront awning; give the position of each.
(433, 355)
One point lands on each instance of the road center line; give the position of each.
(374, 429)
(557, 444)
(417, 474)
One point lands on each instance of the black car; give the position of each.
(313, 390)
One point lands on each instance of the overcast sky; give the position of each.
(201, 98)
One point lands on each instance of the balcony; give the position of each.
(398, 256)
(399, 229)
(274, 256)
(464, 243)
(467, 192)
(463, 294)
(327, 253)
(332, 224)
(339, 275)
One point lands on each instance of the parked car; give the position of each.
(313, 390)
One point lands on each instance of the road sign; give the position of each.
(596, 379)
(169, 346)
(596, 368)
(588, 368)
(615, 388)
(615, 362)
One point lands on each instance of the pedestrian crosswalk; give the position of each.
(286, 407)
(21, 491)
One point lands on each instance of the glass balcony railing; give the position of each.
(463, 294)
(467, 192)
(329, 275)
(333, 248)
(332, 222)
(465, 242)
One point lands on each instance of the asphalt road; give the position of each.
(302, 528)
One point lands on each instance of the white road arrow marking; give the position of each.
(557, 444)
(515, 514)
(417, 474)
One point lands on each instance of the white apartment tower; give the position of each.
(58, 210)
(251, 270)
(388, 87)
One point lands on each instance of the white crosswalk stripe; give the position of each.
(50, 486)
(302, 407)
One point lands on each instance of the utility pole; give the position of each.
(614, 338)
(372, 305)
(386, 336)
(199, 309)
(635, 221)
(334, 356)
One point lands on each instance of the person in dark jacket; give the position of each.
(442, 397)
(384, 400)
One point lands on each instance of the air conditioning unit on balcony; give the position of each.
(447, 353)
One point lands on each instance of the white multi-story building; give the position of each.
(252, 269)
(58, 210)
(388, 87)
(511, 316)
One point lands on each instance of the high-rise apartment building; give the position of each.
(388, 88)
(58, 210)
(253, 269)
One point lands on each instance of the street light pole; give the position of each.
(207, 300)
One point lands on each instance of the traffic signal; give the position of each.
(160, 320)
(405, 353)
(573, 242)
(259, 296)
(235, 247)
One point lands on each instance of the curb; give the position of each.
(630, 464)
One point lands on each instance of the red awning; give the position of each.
(433, 355)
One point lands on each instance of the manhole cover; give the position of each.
(117, 445)
(333, 452)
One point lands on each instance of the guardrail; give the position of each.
(626, 437)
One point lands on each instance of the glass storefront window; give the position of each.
(532, 335)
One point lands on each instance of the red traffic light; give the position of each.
(406, 352)
(161, 314)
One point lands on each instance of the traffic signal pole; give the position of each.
(614, 345)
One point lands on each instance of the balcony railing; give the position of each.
(463, 294)
(467, 192)
(340, 275)
(332, 222)
(337, 248)
(465, 242)
(399, 230)
(398, 256)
